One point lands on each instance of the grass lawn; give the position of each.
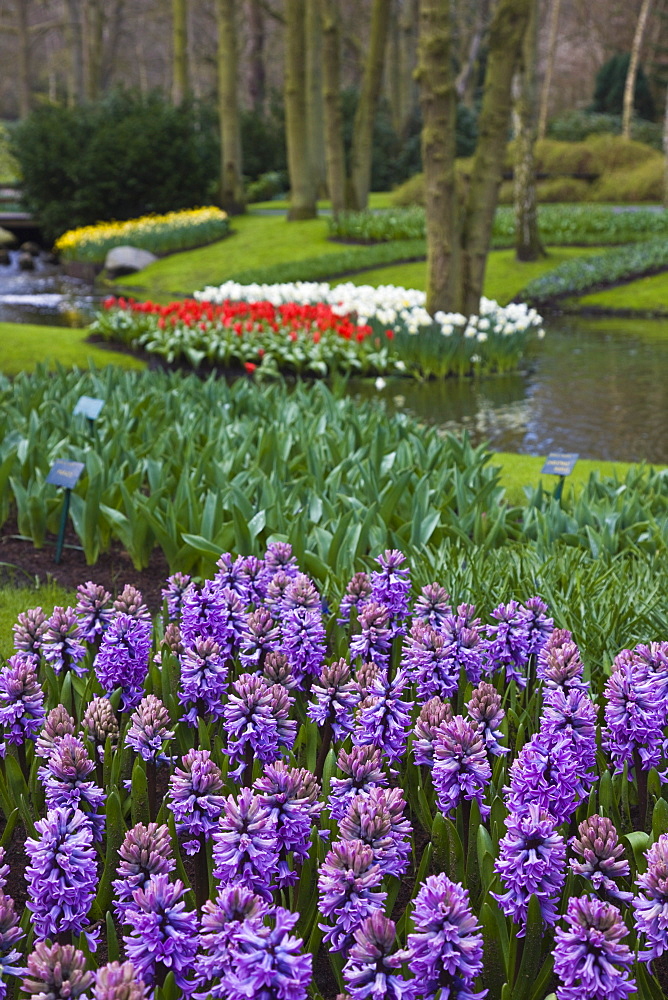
(645, 294)
(14, 600)
(24, 345)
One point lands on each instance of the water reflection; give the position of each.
(44, 295)
(597, 387)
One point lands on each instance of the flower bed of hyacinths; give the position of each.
(314, 329)
(160, 234)
(257, 796)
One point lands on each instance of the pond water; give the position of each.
(596, 387)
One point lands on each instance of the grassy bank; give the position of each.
(24, 345)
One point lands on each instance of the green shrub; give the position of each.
(267, 186)
(121, 158)
(574, 126)
(610, 84)
(411, 192)
(563, 190)
(644, 182)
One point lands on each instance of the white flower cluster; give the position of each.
(389, 305)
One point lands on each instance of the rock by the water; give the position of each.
(26, 261)
(6, 238)
(126, 260)
(32, 248)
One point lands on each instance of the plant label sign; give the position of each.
(64, 473)
(88, 406)
(559, 463)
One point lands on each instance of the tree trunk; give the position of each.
(23, 54)
(94, 42)
(405, 69)
(553, 37)
(302, 188)
(466, 80)
(231, 183)
(665, 153)
(75, 32)
(632, 72)
(315, 107)
(439, 107)
(528, 245)
(257, 76)
(359, 180)
(180, 82)
(331, 69)
(506, 37)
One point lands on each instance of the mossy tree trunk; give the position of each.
(553, 37)
(257, 76)
(75, 46)
(331, 69)
(665, 153)
(506, 37)
(528, 245)
(302, 187)
(315, 100)
(439, 108)
(466, 78)
(359, 178)
(23, 57)
(632, 72)
(93, 47)
(180, 72)
(231, 183)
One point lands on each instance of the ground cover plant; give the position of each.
(161, 234)
(315, 329)
(275, 790)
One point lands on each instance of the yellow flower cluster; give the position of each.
(74, 240)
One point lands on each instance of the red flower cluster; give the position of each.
(246, 318)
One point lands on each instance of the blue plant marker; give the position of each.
(88, 407)
(65, 474)
(559, 463)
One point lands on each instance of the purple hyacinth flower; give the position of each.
(99, 724)
(245, 845)
(363, 768)
(57, 724)
(427, 656)
(485, 710)
(550, 773)
(146, 851)
(390, 585)
(445, 949)
(57, 972)
(131, 602)
(292, 795)
(194, 797)
(373, 966)
(602, 857)
(29, 632)
(532, 861)
(230, 575)
(62, 874)
(375, 637)
(461, 769)
(377, 819)
(174, 593)
(61, 647)
(558, 663)
(432, 715)
(253, 580)
(570, 713)
(269, 962)
(538, 624)
(213, 613)
(358, 593)
(466, 646)
(303, 640)
(122, 660)
(651, 906)
(509, 646)
(21, 702)
(349, 888)
(432, 606)
(164, 935)
(204, 670)
(10, 935)
(277, 670)
(118, 981)
(383, 718)
(589, 958)
(279, 559)
(65, 785)
(221, 922)
(93, 610)
(149, 729)
(260, 636)
(334, 696)
(634, 715)
(275, 599)
(255, 718)
(301, 592)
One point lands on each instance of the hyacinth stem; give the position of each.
(151, 787)
(23, 762)
(641, 782)
(519, 943)
(325, 742)
(248, 769)
(201, 874)
(466, 822)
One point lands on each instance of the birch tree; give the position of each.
(634, 62)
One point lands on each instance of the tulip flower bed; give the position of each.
(160, 234)
(310, 328)
(257, 796)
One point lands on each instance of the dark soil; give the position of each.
(21, 564)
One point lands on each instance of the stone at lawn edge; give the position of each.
(127, 260)
(6, 238)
